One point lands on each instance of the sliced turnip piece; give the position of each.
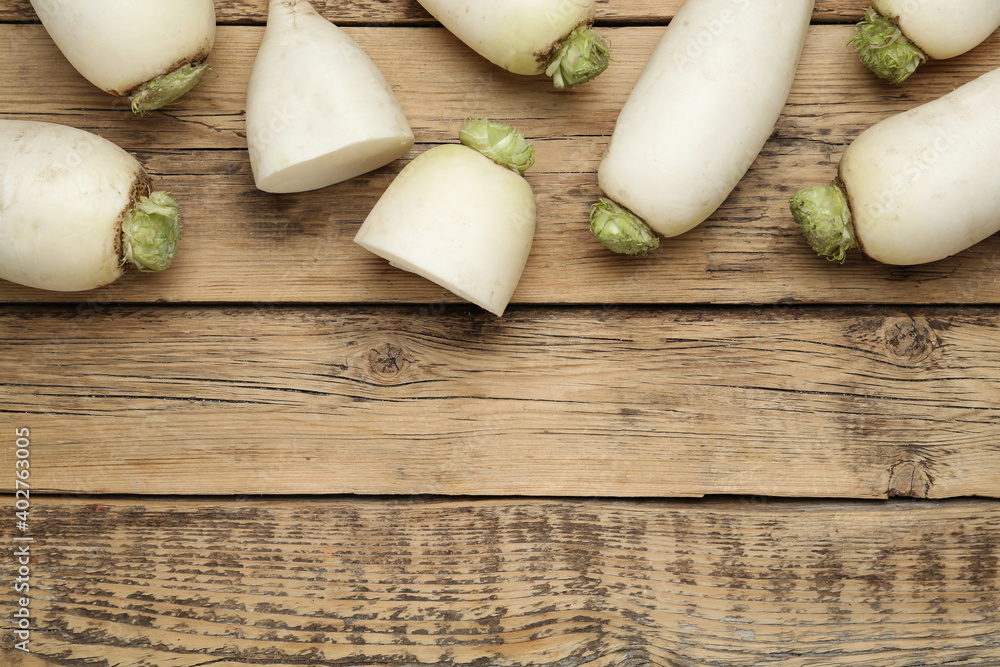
(702, 109)
(896, 36)
(76, 210)
(529, 37)
(459, 218)
(319, 111)
(152, 51)
(916, 187)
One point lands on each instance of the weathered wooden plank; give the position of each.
(511, 583)
(866, 402)
(243, 245)
(378, 12)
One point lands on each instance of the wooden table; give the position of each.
(284, 452)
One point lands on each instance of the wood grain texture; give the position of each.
(618, 402)
(277, 365)
(511, 583)
(241, 245)
(383, 12)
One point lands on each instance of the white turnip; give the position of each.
(461, 216)
(702, 109)
(896, 36)
(152, 51)
(916, 187)
(76, 210)
(529, 37)
(319, 111)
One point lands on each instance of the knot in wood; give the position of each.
(909, 479)
(909, 339)
(387, 361)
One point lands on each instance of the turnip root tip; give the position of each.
(167, 88)
(824, 216)
(582, 56)
(884, 49)
(621, 230)
(501, 143)
(151, 232)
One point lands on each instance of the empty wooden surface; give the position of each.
(596, 402)
(514, 583)
(284, 452)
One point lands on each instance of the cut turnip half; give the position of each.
(319, 111)
(459, 218)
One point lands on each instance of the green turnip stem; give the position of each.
(824, 216)
(884, 49)
(579, 58)
(501, 143)
(151, 232)
(621, 230)
(166, 88)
